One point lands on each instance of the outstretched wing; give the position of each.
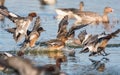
(11, 30)
(63, 23)
(36, 24)
(75, 27)
(4, 11)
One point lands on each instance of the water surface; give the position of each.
(80, 64)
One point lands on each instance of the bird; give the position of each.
(63, 35)
(98, 45)
(88, 16)
(86, 38)
(48, 2)
(72, 41)
(68, 11)
(59, 42)
(55, 44)
(62, 28)
(25, 66)
(32, 36)
(2, 6)
(73, 28)
(22, 23)
(82, 35)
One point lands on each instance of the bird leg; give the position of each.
(100, 50)
(105, 54)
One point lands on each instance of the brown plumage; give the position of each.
(98, 45)
(89, 16)
(68, 11)
(62, 28)
(55, 44)
(25, 66)
(32, 36)
(2, 2)
(22, 23)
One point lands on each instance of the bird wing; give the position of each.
(63, 22)
(76, 27)
(36, 24)
(11, 30)
(8, 14)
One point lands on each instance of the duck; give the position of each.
(62, 28)
(61, 12)
(52, 69)
(2, 6)
(72, 41)
(59, 42)
(25, 66)
(32, 36)
(63, 35)
(22, 23)
(86, 38)
(55, 44)
(98, 45)
(48, 2)
(89, 16)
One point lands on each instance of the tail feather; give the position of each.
(113, 34)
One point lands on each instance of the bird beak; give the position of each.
(112, 10)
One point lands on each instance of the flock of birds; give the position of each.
(94, 44)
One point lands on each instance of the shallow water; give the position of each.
(80, 64)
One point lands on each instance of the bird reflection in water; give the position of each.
(99, 65)
(56, 55)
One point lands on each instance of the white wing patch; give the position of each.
(13, 15)
(78, 17)
(86, 37)
(8, 54)
(60, 12)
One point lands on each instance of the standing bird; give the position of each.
(98, 45)
(32, 36)
(22, 23)
(69, 11)
(89, 16)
